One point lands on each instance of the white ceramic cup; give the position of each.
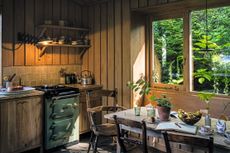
(220, 126)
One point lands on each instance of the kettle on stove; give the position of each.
(86, 77)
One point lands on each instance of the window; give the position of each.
(211, 69)
(168, 51)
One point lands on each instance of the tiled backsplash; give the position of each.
(39, 75)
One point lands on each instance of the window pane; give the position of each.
(211, 71)
(168, 51)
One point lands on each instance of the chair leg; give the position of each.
(90, 141)
(95, 145)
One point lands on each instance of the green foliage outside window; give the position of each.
(211, 69)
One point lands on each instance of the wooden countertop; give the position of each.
(39, 93)
(21, 95)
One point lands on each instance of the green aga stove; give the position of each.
(61, 115)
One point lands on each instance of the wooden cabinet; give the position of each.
(84, 121)
(20, 124)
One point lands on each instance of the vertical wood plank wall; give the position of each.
(23, 16)
(109, 56)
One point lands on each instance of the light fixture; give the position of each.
(206, 49)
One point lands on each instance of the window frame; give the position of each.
(162, 86)
(159, 14)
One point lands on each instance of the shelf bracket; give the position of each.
(83, 52)
(42, 32)
(42, 52)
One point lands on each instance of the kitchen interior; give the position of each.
(65, 48)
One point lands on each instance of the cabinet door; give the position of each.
(20, 124)
(29, 123)
(8, 130)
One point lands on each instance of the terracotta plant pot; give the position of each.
(163, 113)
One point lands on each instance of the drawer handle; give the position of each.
(75, 106)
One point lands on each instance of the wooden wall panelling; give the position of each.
(143, 3)
(39, 19)
(126, 52)
(48, 10)
(71, 33)
(56, 32)
(7, 35)
(19, 54)
(64, 15)
(111, 56)
(138, 43)
(134, 3)
(91, 37)
(118, 50)
(97, 41)
(29, 28)
(78, 22)
(104, 54)
(152, 2)
(162, 1)
(85, 23)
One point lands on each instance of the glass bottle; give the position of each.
(207, 120)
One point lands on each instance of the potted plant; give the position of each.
(163, 106)
(141, 87)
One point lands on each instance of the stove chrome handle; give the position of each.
(66, 96)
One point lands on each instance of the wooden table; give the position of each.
(220, 145)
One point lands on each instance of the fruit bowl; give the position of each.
(189, 118)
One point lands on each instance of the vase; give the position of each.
(207, 119)
(163, 113)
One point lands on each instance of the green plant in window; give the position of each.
(206, 97)
(141, 86)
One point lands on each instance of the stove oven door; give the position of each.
(61, 130)
(62, 122)
(63, 107)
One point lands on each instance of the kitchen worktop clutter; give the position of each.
(84, 78)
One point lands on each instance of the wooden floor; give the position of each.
(105, 145)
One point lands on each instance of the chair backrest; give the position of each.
(94, 94)
(123, 138)
(94, 111)
(185, 139)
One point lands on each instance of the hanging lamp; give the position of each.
(206, 49)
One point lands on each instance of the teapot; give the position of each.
(86, 77)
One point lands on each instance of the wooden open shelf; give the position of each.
(43, 47)
(64, 45)
(63, 27)
(44, 29)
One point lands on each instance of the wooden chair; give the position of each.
(121, 137)
(94, 113)
(185, 139)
